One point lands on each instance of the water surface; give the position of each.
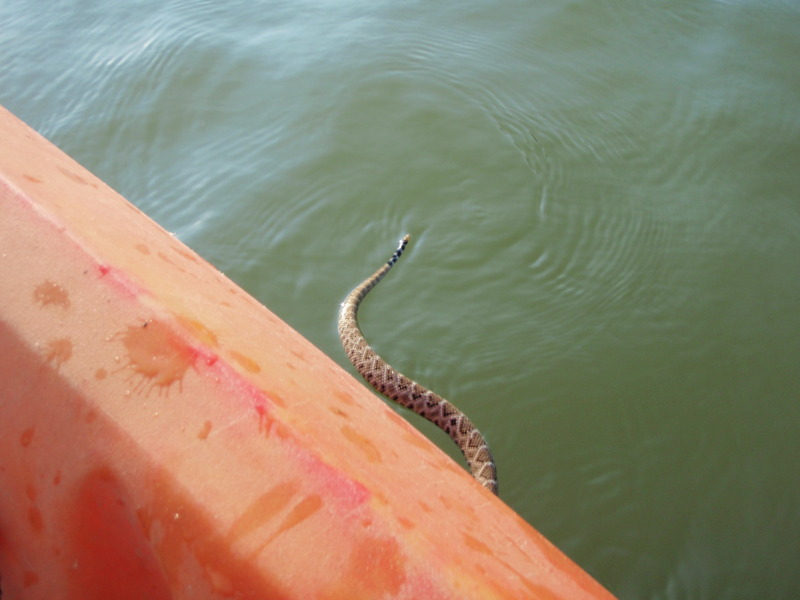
(603, 199)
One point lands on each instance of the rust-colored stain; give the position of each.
(31, 178)
(206, 429)
(370, 450)
(299, 513)
(276, 400)
(300, 356)
(51, 293)
(186, 254)
(401, 421)
(75, 177)
(203, 333)
(157, 353)
(168, 260)
(347, 399)
(476, 544)
(406, 523)
(416, 439)
(27, 436)
(277, 429)
(246, 362)
(338, 412)
(262, 510)
(58, 351)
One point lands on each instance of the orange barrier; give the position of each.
(163, 435)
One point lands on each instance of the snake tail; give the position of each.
(406, 392)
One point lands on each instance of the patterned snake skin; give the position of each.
(403, 390)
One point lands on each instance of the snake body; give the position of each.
(406, 392)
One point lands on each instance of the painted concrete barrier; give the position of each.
(163, 435)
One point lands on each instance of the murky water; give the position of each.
(605, 210)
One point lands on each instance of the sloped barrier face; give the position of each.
(163, 435)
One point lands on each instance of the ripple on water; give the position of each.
(602, 198)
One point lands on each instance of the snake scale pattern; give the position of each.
(401, 389)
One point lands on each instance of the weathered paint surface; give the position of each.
(165, 436)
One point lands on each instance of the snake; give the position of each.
(406, 392)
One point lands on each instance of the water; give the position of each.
(603, 199)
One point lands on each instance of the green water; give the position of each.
(604, 199)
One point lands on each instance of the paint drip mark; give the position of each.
(157, 354)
